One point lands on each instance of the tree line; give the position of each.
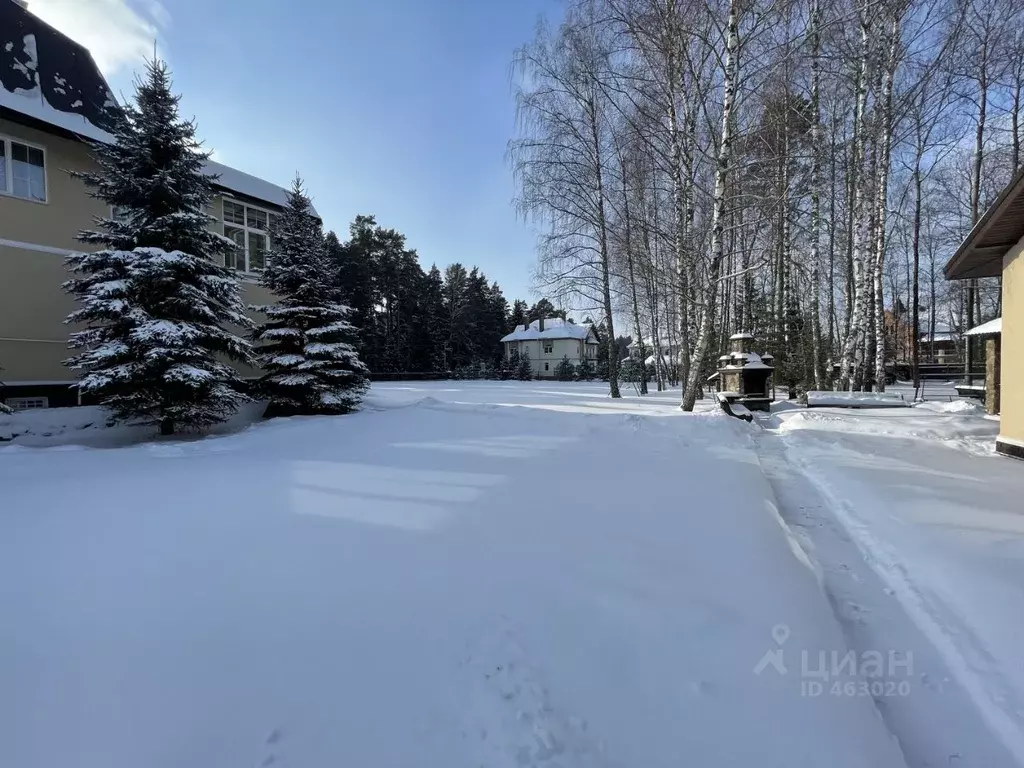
(413, 321)
(798, 170)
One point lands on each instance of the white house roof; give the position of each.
(244, 184)
(47, 76)
(992, 326)
(555, 328)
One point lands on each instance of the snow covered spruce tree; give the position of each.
(306, 346)
(156, 301)
(524, 368)
(565, 370)
(585, 370)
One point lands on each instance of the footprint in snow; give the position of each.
(270, 744)
(512, 716)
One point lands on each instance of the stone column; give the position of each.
(992, 375)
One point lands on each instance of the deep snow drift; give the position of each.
(473, 574)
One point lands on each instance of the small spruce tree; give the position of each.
(585, 370)
(565, 370)
(524, 368)
(156, 302)
(509, 366)
(306, 345)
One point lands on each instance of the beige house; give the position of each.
(42, 208)
(995, 247)
(546, 342)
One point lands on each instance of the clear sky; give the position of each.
(398, 108)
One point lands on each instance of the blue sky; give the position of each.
(399, 108)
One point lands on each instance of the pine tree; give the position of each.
(565, 370)
(354, 275)
(544, 308)
(431, 323)
(518, 315)
(306, 344)
(156, 302)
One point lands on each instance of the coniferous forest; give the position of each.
(420, 322)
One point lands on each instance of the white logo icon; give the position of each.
(773, 658)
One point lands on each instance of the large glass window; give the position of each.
(235, 259)
(234, 213)
(22, 170)
(248, 227)
(257, 251)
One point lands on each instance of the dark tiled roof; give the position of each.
(46, 76)
(38, 64)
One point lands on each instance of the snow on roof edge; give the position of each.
(992, 326)
(34, 105)
(246, 184)
(554, 328)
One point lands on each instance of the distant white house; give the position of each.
(548, 341)
(669, 353)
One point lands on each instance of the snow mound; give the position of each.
(964, 431)
(953, 406)
(854, 400)
(88, 426)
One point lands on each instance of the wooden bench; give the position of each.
(734, 409)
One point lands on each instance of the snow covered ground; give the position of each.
(515, 574)
(461, 575)
(918, 528)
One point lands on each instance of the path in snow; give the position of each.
(540, 577)
(920, 541)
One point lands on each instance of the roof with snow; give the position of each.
(48, 77)
(986, 329)
(554, 328)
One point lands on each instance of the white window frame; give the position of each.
(28, 403)
(246, 229)
(7, 190)
(549, 347)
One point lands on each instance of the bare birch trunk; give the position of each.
(679, 193)
(631, 272)
(718, 206)
(606, 288)
(852, 367)
(979, 157)
(882, 195)
(815, 195)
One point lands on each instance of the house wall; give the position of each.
(1011, 426)
(34, 240)
(574, 348)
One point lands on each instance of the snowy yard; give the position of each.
(510, 574)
